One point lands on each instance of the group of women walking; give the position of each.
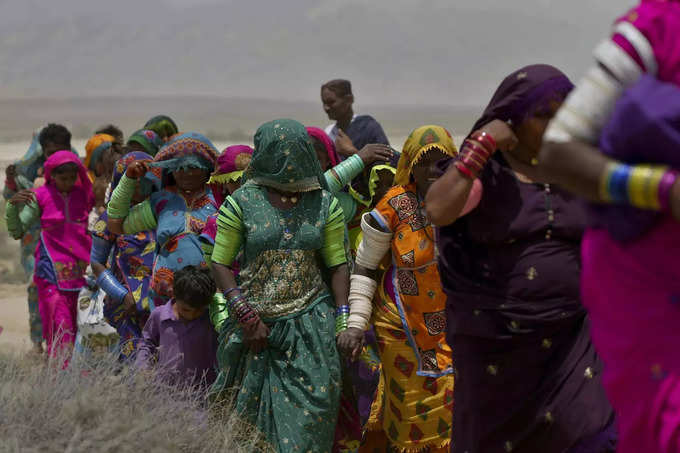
(434, 299)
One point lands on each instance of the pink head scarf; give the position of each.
(65, 157)
(230, 161)
(63, 223)
(320, 135)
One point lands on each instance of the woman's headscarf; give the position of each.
(230, 166)
(284, 158)
(66, 157)
(95, 147)
(162, 125)
(151, 180)
(419, 143)
(321, 135)
(148, 139)
(524, 92)
(184, 151)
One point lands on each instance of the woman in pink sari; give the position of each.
(61, 206)
(616, 141)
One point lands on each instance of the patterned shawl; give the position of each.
(183, 151)
(95, 147)
(422, 140)
(284, 159)
(148, 139)
(162, 125)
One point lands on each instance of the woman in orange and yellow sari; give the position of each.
(412, 410)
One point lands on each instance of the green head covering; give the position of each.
(148, 139)
(162, 125)
(284, 159)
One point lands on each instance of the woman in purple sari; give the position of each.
(527, 375)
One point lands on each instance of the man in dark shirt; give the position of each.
(361, 130)
(350, 132)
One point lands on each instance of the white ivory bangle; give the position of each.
(361, 291)
(373, 246)
(586, 109)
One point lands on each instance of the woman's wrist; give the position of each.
(341, 318)
(643, 186)
(474, 154)
(242, 312)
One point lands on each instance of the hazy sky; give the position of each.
(448, 52)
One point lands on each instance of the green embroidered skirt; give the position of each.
(291, 390)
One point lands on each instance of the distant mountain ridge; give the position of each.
(395, 51)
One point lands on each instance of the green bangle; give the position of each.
(121, 198)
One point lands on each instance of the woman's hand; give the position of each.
(129, 304)
(22, 197)
(344, 145)
(137, 169)
(255, 337)
(350, 342)
(375, 152)
(505, 138)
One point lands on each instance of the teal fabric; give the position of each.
(284, 158)
(291, 390)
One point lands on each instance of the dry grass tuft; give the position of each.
(99, 407)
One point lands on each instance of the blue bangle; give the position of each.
(101, 248)
(618, 183)
(342, 309)
(112, 287)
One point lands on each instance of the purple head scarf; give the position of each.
(525, 92)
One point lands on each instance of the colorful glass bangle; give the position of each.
(464, 170)
(226, 292)
(111, 286)
(483, 153)
(643, 186)
(341, 323)
(342, 309)
(486, 140)
(665, 185)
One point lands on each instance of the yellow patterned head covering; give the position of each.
(95, 147)
(422, 140)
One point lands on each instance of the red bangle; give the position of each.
(464, 170)
(474, 147)
(485, 140)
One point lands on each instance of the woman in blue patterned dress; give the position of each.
(177, 213)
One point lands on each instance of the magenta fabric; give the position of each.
(632, 293)
(226, 163)
(58, 313)
(63, 224)
(659, 21)
(321, 135)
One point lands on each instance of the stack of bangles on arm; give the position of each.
(341, 317)
(239, 308)
(475, 153)
(111, 286)
(643, 186)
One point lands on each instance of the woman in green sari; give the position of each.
(278, 345)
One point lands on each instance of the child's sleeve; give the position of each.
(146, 355)
(20, 219)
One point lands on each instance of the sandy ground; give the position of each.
(14, 318)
